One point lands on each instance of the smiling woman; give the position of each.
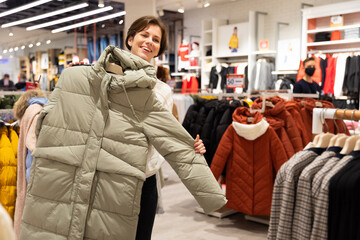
(147, 38)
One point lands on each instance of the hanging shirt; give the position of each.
(330, 75)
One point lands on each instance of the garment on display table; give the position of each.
(92, 143)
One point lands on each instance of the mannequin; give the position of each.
(183, 55)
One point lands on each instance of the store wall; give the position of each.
(288, 11)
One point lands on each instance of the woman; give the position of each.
(147, 38)
(26, 111)
(92, 144)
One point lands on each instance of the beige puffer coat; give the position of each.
(89, 162)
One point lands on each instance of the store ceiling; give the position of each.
(173, 5)
(23, 36)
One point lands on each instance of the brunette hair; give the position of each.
(308, 60)
(141, 23)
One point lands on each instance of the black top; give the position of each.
(10, 87)
(304, 87)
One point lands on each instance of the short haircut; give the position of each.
(141, 23)
(308, 60)
(6, 75)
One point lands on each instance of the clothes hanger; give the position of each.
(324, 139)
(341, 136)
(350, 141)
(114, 68)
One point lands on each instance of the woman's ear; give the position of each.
(130, 40)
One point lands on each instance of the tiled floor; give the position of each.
(181, 222)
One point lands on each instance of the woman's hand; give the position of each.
(199, 145)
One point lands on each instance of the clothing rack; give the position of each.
(320, 114)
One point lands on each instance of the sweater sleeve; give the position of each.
(172, 141)
(222, 153)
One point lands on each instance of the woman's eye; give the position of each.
(156, 40)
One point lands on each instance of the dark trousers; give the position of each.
(148, 204)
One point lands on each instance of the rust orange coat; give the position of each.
(279, 111)
(253, 154)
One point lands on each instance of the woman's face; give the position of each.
(146, 43)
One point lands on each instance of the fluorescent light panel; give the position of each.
(50, 14)
(89, 22)
(24, 7)
(81, 15)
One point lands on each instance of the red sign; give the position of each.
(235, 81)
(31, 85)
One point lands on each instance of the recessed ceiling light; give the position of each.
(121, 21)
(38, 43)
(23, 47)
(24, 7)
(207, 4)
(114, 15)
(31, 45)
(42, 16)
(11, 34)
(16, 49)
(181, 10)
(11, 50)
(5, 51)
(48, 41)
(62, 20)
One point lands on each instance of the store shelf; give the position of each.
(283, 72)
(264, 52)
(330, 29)
(193, 68)
(357, 40)
(208, 31)
(233, 55)
(207, 58)
(208, 44)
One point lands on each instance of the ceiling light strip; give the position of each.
(42, 16)
(1, 1)
(62, 20)
(24, 7)
(89, 22)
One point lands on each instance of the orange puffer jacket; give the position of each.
(253, 154)
(294, 108)
(279, 111)
(278, 125)
(7, 173)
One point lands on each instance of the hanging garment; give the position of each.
(253, 153)
(278, 125)
(303, 213)
(339, 75)
(320, 199)
(306, 113)
(323, 66)
(279, 111)
(294, 108)
(7, 173)
(92, 143)
(344, 199)
(283, 199)
(352, 80)
(190, 85)
(330, 75)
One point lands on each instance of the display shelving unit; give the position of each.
(317, 20)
